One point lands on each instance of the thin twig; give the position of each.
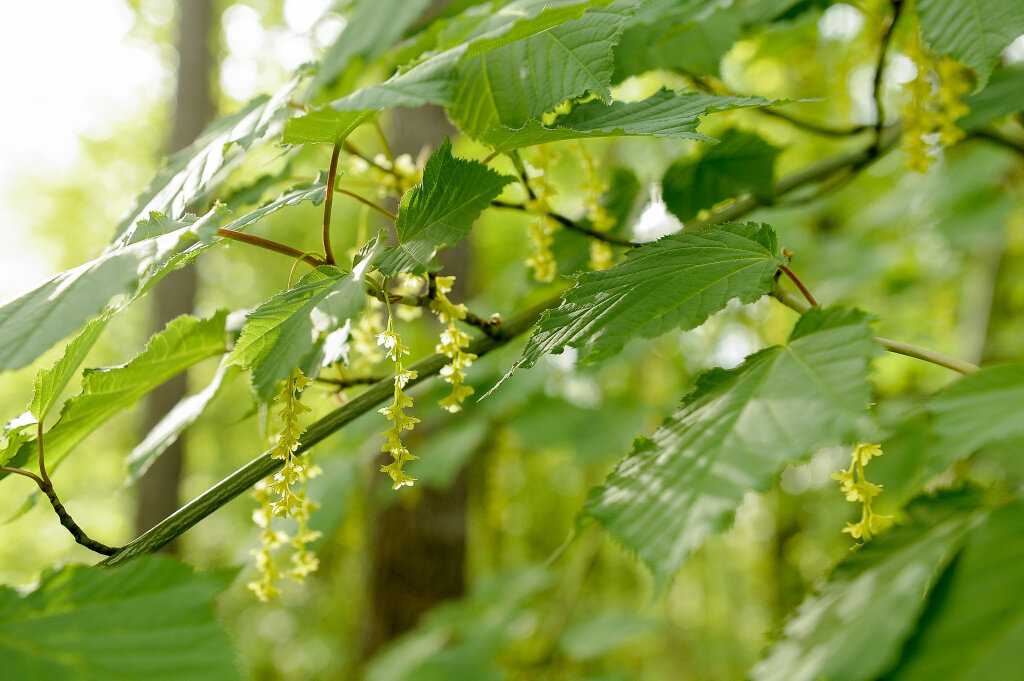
(800, 285)
(897, 6)
(352, 381)
(491, 327)
(573, 225)
(383, 140)
(332, 175)
(999, 140)
(269, 245)
(367, 202)
(350, 148)
(896, 347)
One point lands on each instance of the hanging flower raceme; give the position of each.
(934, 105)
(857, 489)
(395, 412)
(540, 231)
(453, 343)
(601, 256)
(284, 496)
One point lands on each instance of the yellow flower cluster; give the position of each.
(934, 105)
(601, 256)
(540, 231)
(857, 489)
(453, 340)
(395, 412)
(278, 498)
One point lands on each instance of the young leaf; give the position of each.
(733, 434)
(525, 79)
(105, 392)
(973, 627)
(855, 626)
(152, 618)
(663, 114)
(166, 432)
(285, 331)
(326, 125)
(50, 382)
(193, 173)
(742, 162)
(29, 325)
(977, 410)
(675, 282)
(441, 209)
(974, 32)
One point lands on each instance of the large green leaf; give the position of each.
(855, 626)
(1003, 95)
(371, 28)
(742, 162)
(169, 428)
(152, 618)
(663, 114)
(734, 433)
(289, 330)
(105, 392)
(434, 80)
(973, 629)
(194, 173)
(440, 210)
(974, 32)
(675, 282)
(514, 83)
(50, 382)
(979, 409)
(29, 325)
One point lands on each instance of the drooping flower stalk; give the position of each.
(858, 490)
(395, 412)
(453, 343)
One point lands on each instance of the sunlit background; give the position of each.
(87, 113)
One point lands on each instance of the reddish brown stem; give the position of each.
(367, 202)
(332, 175)
(269, 245)
(799, 285)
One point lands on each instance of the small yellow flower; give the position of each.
(453, 342)
(395, 412)
(856, 488)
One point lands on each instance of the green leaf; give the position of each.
(169, 428)
(152, 618)
(525, 79)
(325, 125)
(663, 114)
(734, 433)
(289, 330)
(29, 325)
(194, 173)
(552, 14)
(440, 210)
(741, 163)
(979, 409)
(50, 382)
(371, 28)
(105, 392)
(974, 32)
(1003, 95)
(854, 627)
(973, 628)
(675, 282)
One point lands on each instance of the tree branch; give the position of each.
(268, 245)
(248, 475)
(569, 223)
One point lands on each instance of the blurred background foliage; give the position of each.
(932, 255)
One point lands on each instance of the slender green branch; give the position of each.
(896, 347)
(332, 176)
(367, 202)
(244, 478)
(21, 471)
(999, 139)
(269, 245)
(383, 140)
(342, 383)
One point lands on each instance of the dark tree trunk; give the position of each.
(419, 549)
(175, 295)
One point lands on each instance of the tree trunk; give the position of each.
(419, 548)
(175, 295)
